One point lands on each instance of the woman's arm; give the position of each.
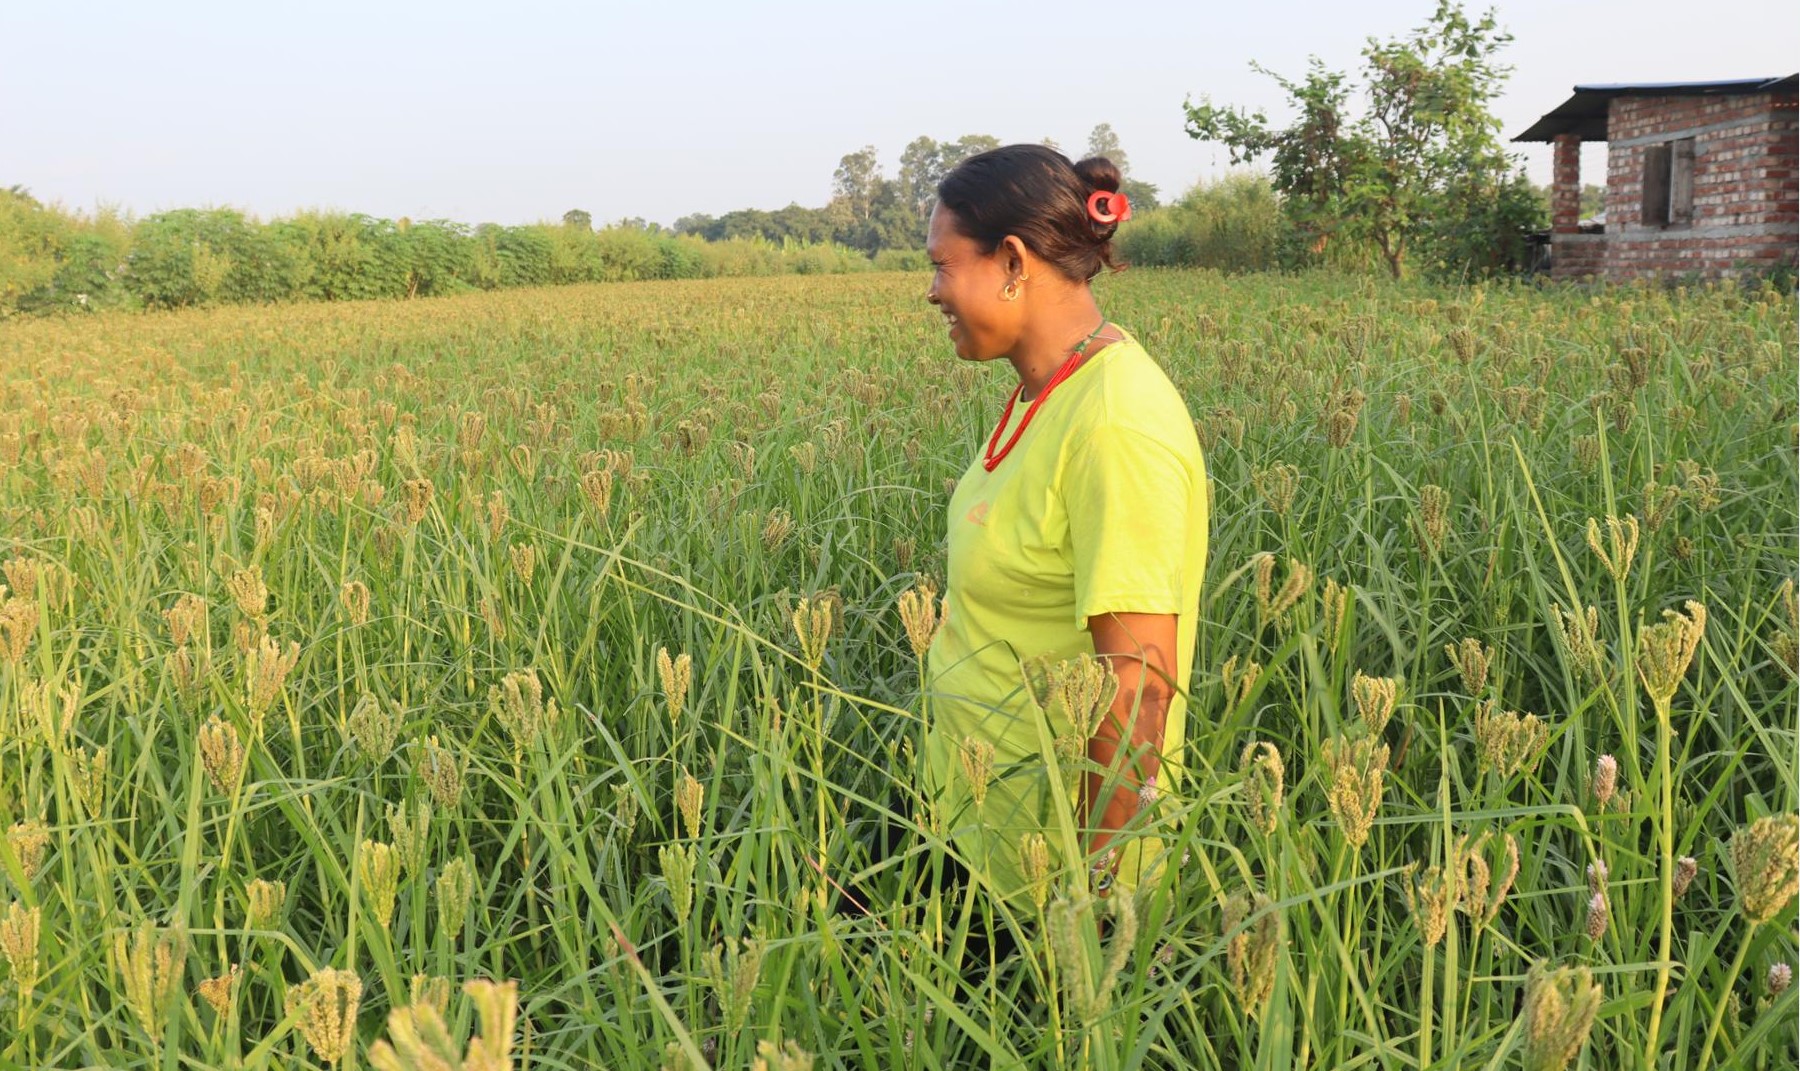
(1141, 650)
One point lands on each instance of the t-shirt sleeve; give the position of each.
(1127, 497)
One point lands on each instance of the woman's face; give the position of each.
(969, 289)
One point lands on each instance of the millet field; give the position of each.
(533, 680)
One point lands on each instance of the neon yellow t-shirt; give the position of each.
(1101, 507)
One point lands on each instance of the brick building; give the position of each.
(1700, 178)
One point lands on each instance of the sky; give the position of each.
(516, 112)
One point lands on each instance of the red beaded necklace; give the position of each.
(992, 460)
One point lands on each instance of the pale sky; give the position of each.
(514, 112)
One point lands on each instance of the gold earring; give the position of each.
(1011, 291)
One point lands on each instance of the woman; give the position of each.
(1080, 528)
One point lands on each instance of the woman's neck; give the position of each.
(1051, 337)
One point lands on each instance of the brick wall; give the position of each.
(1745, 189)
(1577, 256)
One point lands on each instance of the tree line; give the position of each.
(54, 260)
(872, 212)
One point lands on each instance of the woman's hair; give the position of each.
(1034, 193)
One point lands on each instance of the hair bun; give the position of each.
(1099, 174)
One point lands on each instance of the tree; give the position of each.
(1593, 200)
(1103, 142)
(854, 181)
(921, 169)
(955, 152)
(579, 219)
(1415, 169)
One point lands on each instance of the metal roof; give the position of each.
(1584, 114)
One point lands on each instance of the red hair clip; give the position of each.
(1107, 207)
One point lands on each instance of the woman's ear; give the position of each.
(1013, 257)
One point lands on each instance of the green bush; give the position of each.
(195, 256)
(902, 260)
(1233, 225)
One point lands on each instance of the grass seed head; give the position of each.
(977, 767)
(1765, 864)
(497, 1009)
(1251, 955)
(266, 669)
(678, 875)
(411, 830)
(249, 592)
(1278, 484)
(151, 963)
(1335, 599)
(1471, 658)
(1375, 698)
(812, 627)
(18, 624)
(1273, 604)
(1034, 863)
(219, 990)
(455, 890)
(88, 772)
(493, 616)
(778, 525)
(355, 598)
(1560, 1006)
(690, 799)
(374, 727)
(1581, 631)
(21, 575)
(597, 488)
(1660, 501)
(326, 1004)
(1081, 688)
(524, 561)
(442, 774)
(1431, 526)
(1621, 544)
(919, 615)
(186, 619)
(417, 497)
(378, 870)
(1239, 679)
(498, 513)
(265, 901)
(27, 841)
(1780, 976)
(1686, 869)
(676, 673)
(786, 1057)
(734, 976)
(1598, 912)
(431, 991)
(1353, 771)
(221, 753)
(1431, 895)
(19, 931)
(625, 810)
(517, 703)
(1264, 784)
(1606, 780)
(1508, 742)
(1665, 651)
(1486, 879)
